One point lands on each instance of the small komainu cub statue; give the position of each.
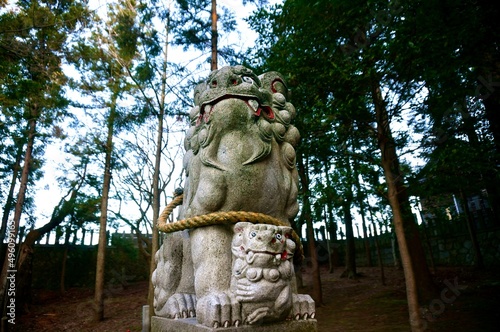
(262, 271)
(240, 156)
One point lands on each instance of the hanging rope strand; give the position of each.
(162, 219)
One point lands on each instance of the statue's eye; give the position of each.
(278, 237)
(253, 234)
(247, 79)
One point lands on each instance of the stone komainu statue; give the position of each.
(240, 156)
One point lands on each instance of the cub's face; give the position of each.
(258, 238)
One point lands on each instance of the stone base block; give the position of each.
(160, 324)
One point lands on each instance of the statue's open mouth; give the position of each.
(257, 109)
(250, 254)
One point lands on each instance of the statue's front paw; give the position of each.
(179, 305)
(218, 310)
(257, 316)
(303, 307)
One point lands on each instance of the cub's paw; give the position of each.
(257, 316)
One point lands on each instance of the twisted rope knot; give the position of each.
(221, 218)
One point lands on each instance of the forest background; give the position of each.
(375, 84)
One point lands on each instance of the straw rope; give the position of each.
(221, 218)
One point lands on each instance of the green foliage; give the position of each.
(34, 41)
(453, 166)
(192, 27)
(126, 30)
(333, 54)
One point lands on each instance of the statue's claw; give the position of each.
(303, 307)
(218, 310)
(180, 305)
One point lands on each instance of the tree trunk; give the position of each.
(62, 280)
(478, 261)
(394, 247)
(299, 279)
(328, 240)
(213, 62)
(101, 248)
(143, 244)
(330, 224)
(429, 249)
(156, 178)
(10, 196)
(156, 209)
(360, 198)
(333, 235)
(317, 294)
(366, 239)
(20, 197)
(350, 250)
(379, 254)
(417, 276)
(25, 262)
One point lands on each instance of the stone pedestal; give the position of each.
(160, 324)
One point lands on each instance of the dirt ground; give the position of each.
(468, 301)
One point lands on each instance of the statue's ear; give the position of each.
(202, 86)
(290, 245)
(241, 226)
(287, 231)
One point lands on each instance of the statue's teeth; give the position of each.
(254, 104)
(207, 109)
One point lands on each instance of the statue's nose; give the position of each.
(228, 80)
